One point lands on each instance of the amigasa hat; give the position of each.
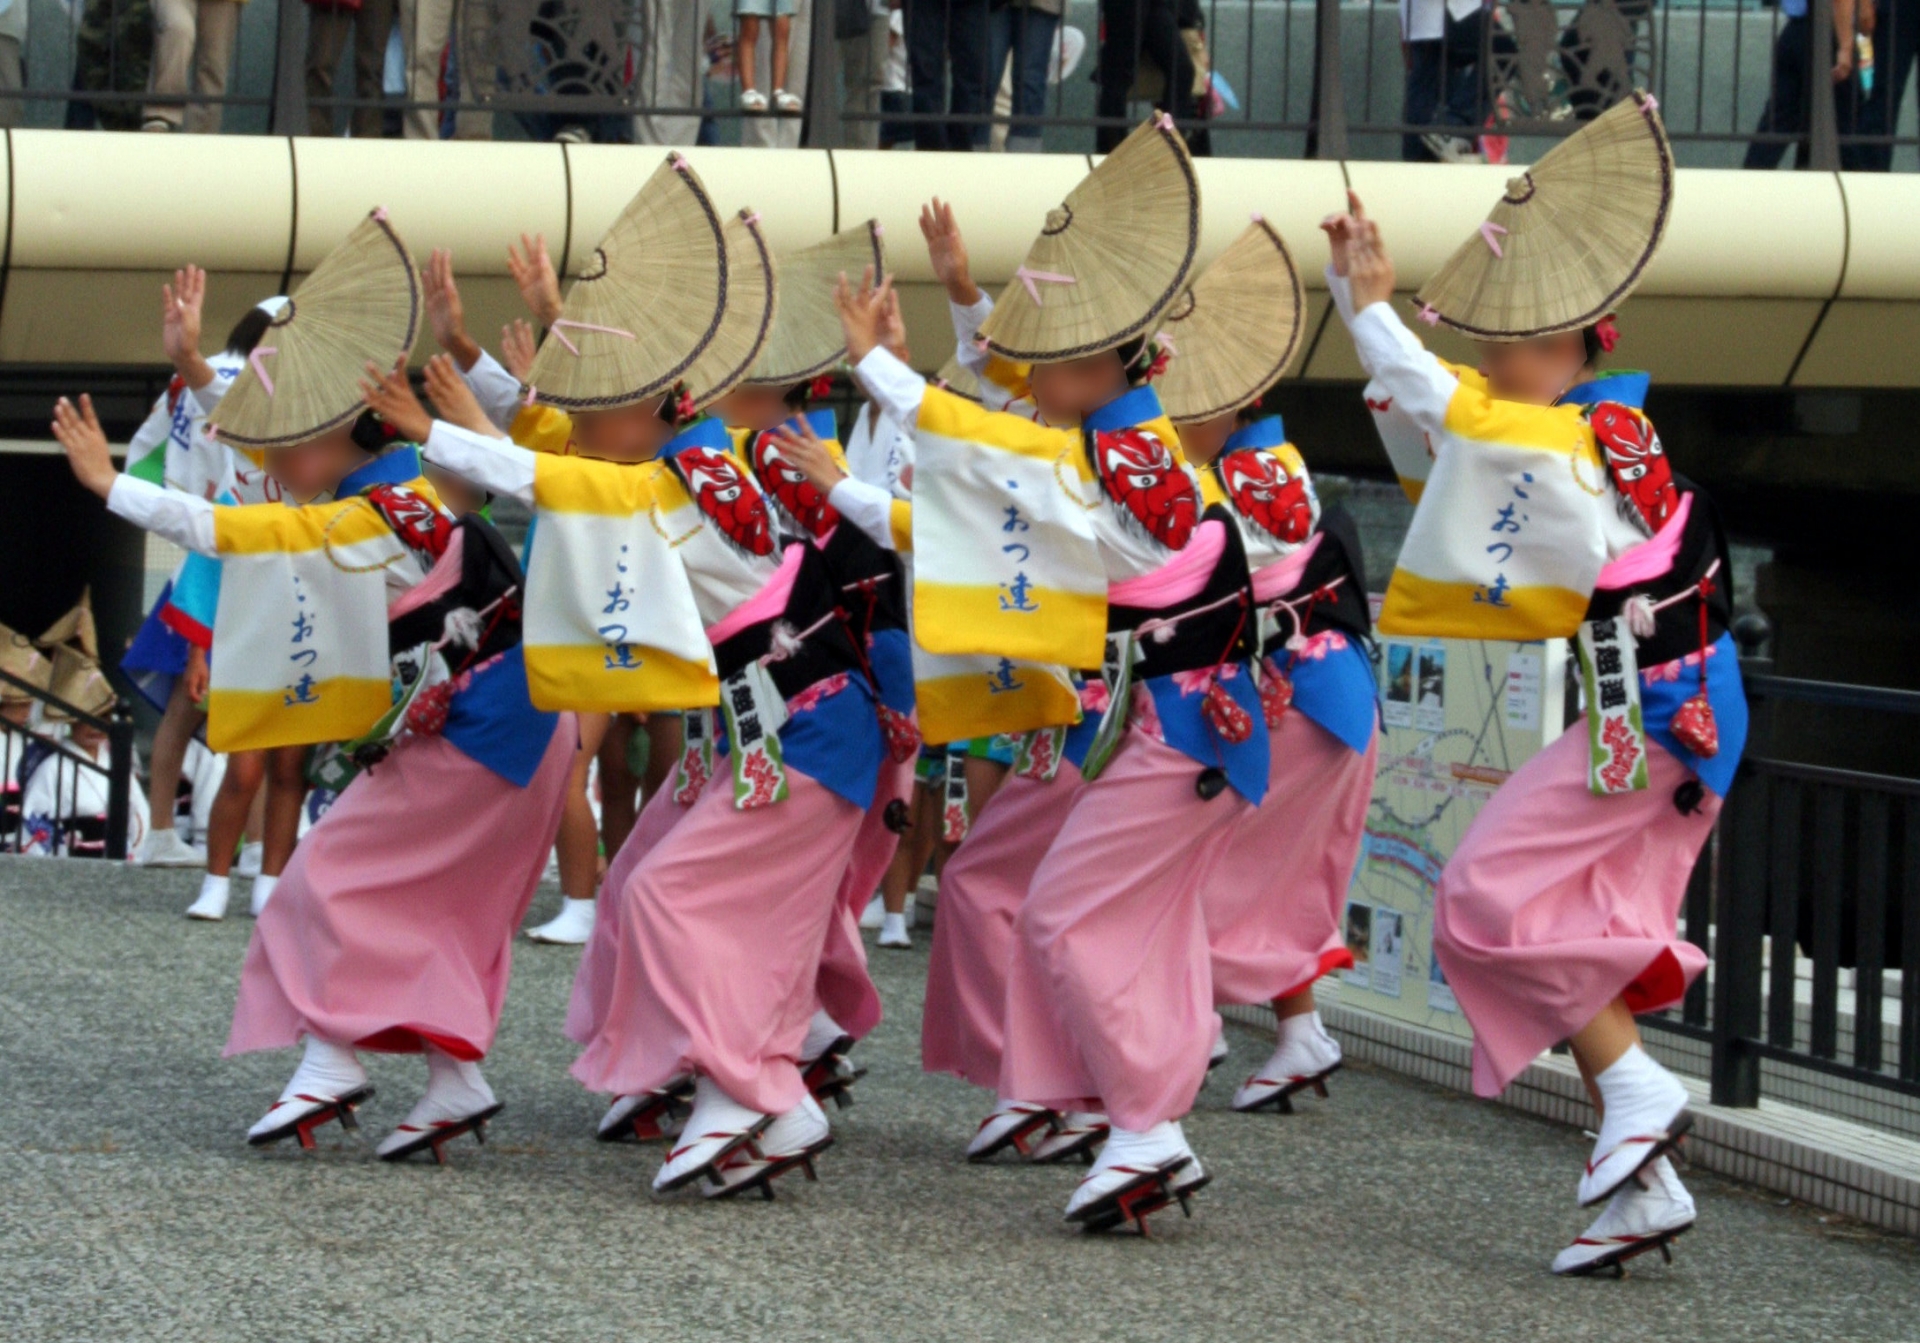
(752, 302)
(1570, 238)
(1234, 330)
(361, 304)
(1111, 257)
(808, 340)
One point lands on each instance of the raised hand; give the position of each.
(80, 436)
(948, 252)
(390, 396)
(445, 312)
(811, 457)
(454, 399)
(863, 313)
(893, 331)
(181, 304)
(517, 348)
(535, 277)
(1369, 268)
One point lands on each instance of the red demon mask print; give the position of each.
(727, 498)
(1637, 462)
(803, 501)
(1266, 494)
(415, 519)
(1141, 476)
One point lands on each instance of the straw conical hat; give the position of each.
(361, 303)
(1234, 331)
(1570, 238)
(807, 340)
(957, 378)
(748, 322)
(1111, 257)
(19, 657)
(646, 306)
(75, 629)
(78, 680)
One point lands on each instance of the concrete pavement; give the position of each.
(133, 1209)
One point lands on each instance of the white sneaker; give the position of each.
(211, 904)
(718, 1127)
(458, 1100)
(648, 1116)
(165, 848)
(1012, 1124)
(248, 863)
(1452, 148)
(1643, 1215)
(875, 912)
(1077, 1134)
(1645, 1118)
(571, 927)
(1304, 1058)
(893, 932)
(1137, 1174)
(262, 892)
(326, 1086)
(790, 1142)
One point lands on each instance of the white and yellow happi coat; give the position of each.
(1515, 514)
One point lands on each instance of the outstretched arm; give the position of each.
(535, 277)
(888, 382)
(184, 519)
(1361, 278)
(867, 507)
(181, 304)
(491, 462)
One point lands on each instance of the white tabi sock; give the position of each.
(262, 892)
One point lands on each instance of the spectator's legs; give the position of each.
(11, 108)
(327, 31)
(1119, 60)
(479, 75)
(1786, 110)
(217, 26)
(784, 132)
(173, 35)
(1162, 44)
(424, 25)
(669, 54)
(782, 43)
(1001, 40)
(1462, 82)
(1032, 58)
(1420, 108)
(746, 52)
(863, 63)
(967, 50)
(372, 27)
(927, 68)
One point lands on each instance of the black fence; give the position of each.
(1739, 81)
(25, 751)
(1813, 877)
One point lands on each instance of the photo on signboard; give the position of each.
(1439, 993)
(1359, 936)
(1430, 690)
(1388, 949)
(1398, 710)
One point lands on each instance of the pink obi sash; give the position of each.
(1652, 557)
(765, 604)
(1283, 575)
(1180, 578)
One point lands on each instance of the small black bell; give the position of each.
(896, 817)
(1211, 783)
(1688, 796)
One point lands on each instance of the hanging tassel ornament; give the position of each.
(1233, 723)
(1694, 725)
(900, 733)
(1276, 695)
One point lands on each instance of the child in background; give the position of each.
(779, 14)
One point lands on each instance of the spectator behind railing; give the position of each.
(13, 41)
(193, 43)
(1023, 30)
(1893, 29)
(112, 53)
(779, 16)
(668, 56)
(330, 25)
(1799, 70)
(860, 33)
(943, 33)
(426, 28)
(1443, 41)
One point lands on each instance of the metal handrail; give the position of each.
(119, 766)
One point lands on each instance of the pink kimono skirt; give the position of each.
(1558, 901)
(1110, 994)
(392, 927)
(593, 980)
(718, 944)
(1273, 903)
(843, 989)
(981, 890)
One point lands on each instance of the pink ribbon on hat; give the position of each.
(573, 349)
(1429, 314)
(254, 359)
(751, 217)
(1487, 232)
(1651, 103)
(1033, 279)
(1166, 342)
(528, 401)
(1163, 122)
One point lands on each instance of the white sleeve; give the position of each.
(495, 464)
(867, 507)
(1340, 290)
(184, 519)
(497, 390)
(967, 322)
(897, 389)
(209, 396)
(1402, 369)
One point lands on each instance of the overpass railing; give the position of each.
(1260, 78)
